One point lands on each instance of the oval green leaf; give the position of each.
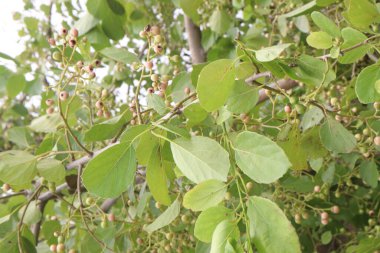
(215, 84)
(335, 137)
(200, 158)
(365, 86)
(260, 158)
(269, 227)
(319, 40)
(111, 172)
(205, 195)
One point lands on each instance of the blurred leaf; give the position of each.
(165, 218)
(366, 84)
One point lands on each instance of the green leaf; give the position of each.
(369, 173)
(156, 178)
(243, 98)
(208, 220)
(365, 86)
(220, 21)
(269, 227)
(195, 113)
(111, 172)
(351, 38)
(311, 71)
(107, 129)
(201, 158)
(21, 136)
(271, 53)
(47, 123)
(52, 170)
(366, 245)
(120, 55)
(224, 230)
(15, 84)
(133, 133)
(319, 40)
(86, 23)
(215, 84)
(260, 158)
(361, 13)
(311, 118)
(205, 195)
(306, 8)
(325, 24)
(165, 218)
(180, 82)
(157, 103)
(326, 237)
(190, 7)
(17, 168)
(294, 150)
(336, 137)
(32, 214)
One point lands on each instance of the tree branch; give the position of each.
(194, 39)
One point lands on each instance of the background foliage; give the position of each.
(192, 126)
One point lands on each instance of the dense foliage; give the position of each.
(263, 137)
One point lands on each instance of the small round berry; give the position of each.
(49, 102)
(143, 34)
(249, 186)
(358, 137)
(133, 122)
(52, 42)
(91, 75)
(324, 216)
(60, 239)
(50, 110)
(89, 201)
(74, 32)
(99, 104)
(148, 65)
(139, 241)
(169, 236)
(165, 78)
(60, 247)
(72, 42)
(104, 93)
(287, 109)
(371, 213)
(5, 187)
(99, 113)
(63, 95)
(97, 63)
(376, 140)
(79, 64)
(158, 39)
(53, 248)
(107, 114)
(228, 196)
(157, 205)
(89, 68)
(150, 90)
(63, 31)
(57, 56)
(163, 86)
(158, 49)
(366, 131)
(155, 30)
(111, 217)
(376, 106)
(187, 90)
(335, 209)
(317, 188)
(325, 222)
(154, 77)
(297, 218)
(103, 224)
(333, 101)
(185, 219)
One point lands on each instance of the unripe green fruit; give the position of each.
(89, 201)
(228, 196)
(154, 77)
(60, 239)
(185, 219)
(57, 56)
(249, 186)
(103, 224)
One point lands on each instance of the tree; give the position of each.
(192, 126)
